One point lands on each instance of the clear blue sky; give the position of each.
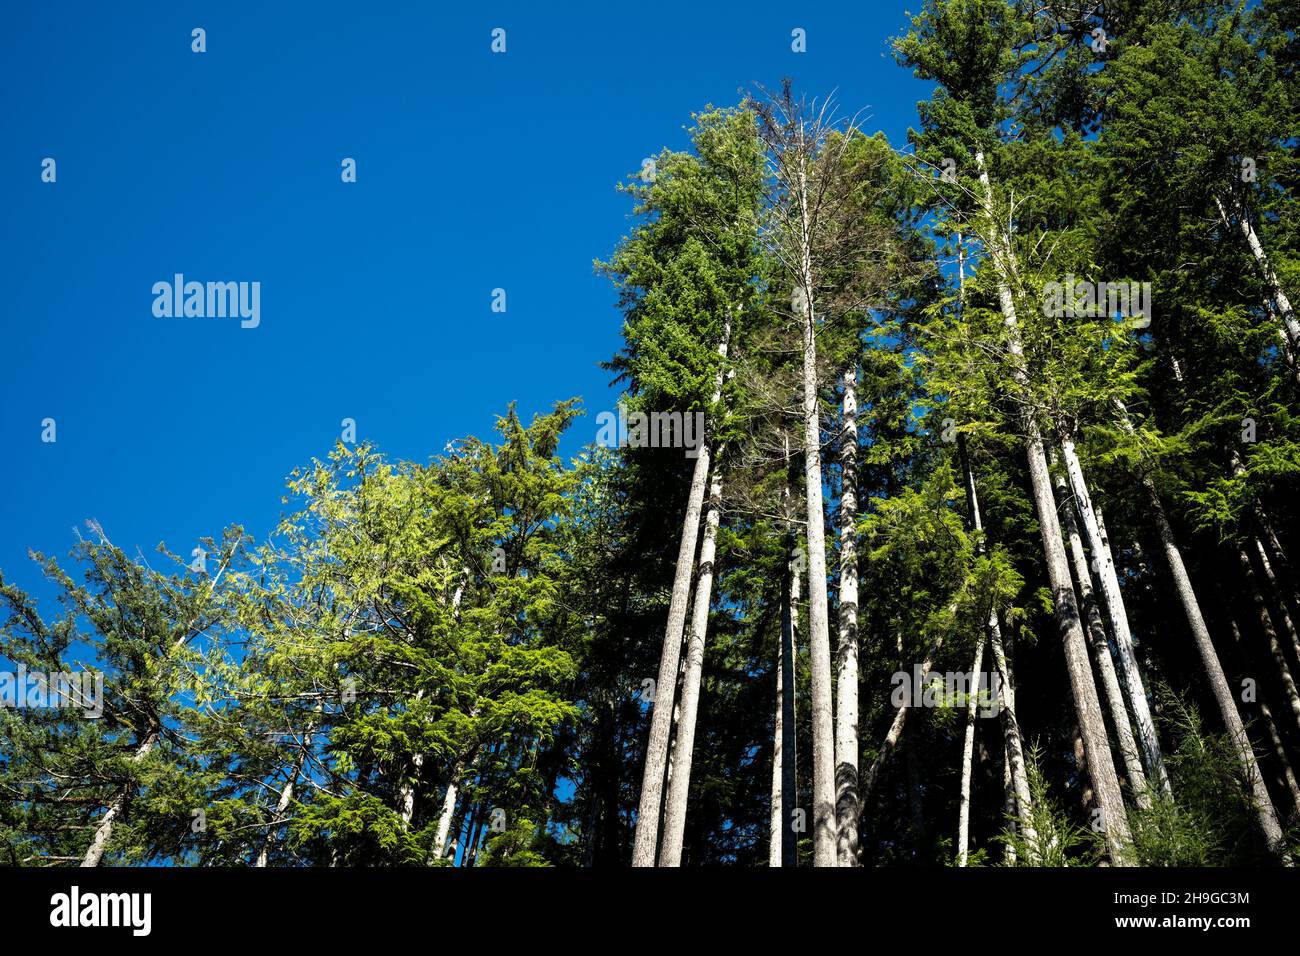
(475, 171)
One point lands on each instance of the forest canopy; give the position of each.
(948, 518)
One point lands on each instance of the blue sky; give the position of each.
(475, 171)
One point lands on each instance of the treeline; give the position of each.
(983, 557)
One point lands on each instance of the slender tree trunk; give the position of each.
(1270, 634)
(895, 733)
(406, 793)
(1099, 547)
(819, 643)
(448, 810)
(783, 849)
(846, 685)
(1019, 776)
(670, 853)
(1109, 798)
(1008, 804)
(967, 751)
(646, 840)
(1290, 329)
(1019, 802)
(104, 829)
(286, 797)
(1279, 596)
(1275, 738)
(1114, 697)
(1266, 815)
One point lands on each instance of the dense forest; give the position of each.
(985, 551)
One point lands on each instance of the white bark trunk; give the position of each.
(968, 747)
(646, 841)
(783, 848)
(448, 810)
(819, 642)
(1024, 804)
(1114, 697)
(1270, 633)
(1266, 815)
(1290, 330)
(1099, 546)
(670, 853)
(846, 685)
(1105, 782)
(286, 797)
(1275, 738)
(99, 842)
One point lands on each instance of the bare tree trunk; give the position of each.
(1019, 801)
(1275, 738)
(670, 853)
(819, 643)
(1099, 546)
(1101, 655)
(1279, 596)
(448, 810)
(1024, 804)
(846, 685)
(1008, 804)
(1109, 798)
(646, 841)
(783, 849)
(1266, 815)
(968, 747)
(1270, 634)
(1290, 330)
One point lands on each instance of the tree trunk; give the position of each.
(448, 810)
(1275, 738)
(1024, 804)
(1081, 761)
(1279, 597)
(670, 853)
(968, 747)
(646, 841)
(1008, 804)
(890, 743)
(1270, 634)
(1101, 655)
(1019, 801)
(104, 830)
(1290, 329)
(1105, 782)
(819, 643)
(1266, 815)
(286, 797)
(783, 849)
(1099, 547)
(846, 684)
